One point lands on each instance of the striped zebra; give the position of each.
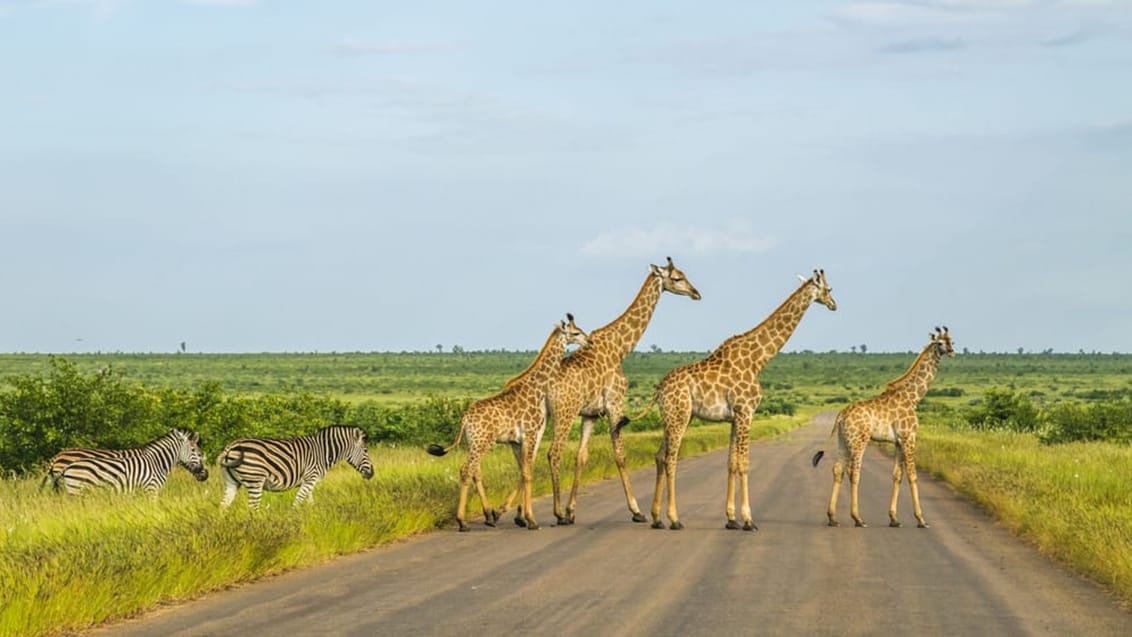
(147, 466)
(280, 465)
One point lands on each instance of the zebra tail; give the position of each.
(231, 464)
(437, 450)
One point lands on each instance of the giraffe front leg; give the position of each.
(744, 457)
(526, 477)
(517, 450)
(910, 469)
(732, 477)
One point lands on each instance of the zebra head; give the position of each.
(357, 453)
(190, 455)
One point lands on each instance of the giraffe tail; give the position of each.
(626, 419)
(437, 450)
(818, 456)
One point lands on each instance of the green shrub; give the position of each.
(1004, 409)
(1074, 422)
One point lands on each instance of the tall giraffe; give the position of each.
(724, 387)
(517, 416)
(890, 417)
(591, 383)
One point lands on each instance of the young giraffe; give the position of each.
(891, 417)
(724, 387)
(517, 416)
(591, 383)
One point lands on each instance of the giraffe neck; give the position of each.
(913, 385)
(760, 344)
(622, 335)
(548, 360)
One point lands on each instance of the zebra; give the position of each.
(280, 465)
(147, 466)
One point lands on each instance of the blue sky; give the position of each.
(371, 176)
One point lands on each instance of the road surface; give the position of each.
(609, 576)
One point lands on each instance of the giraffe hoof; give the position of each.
(639, 517)
(658, 525)
(750, 526)
(676, 526)
(463, 528)
(731, 524)
(833, 523)
(923, 525)
(894, 524)
(532, 526)
(494, 516)
(565, 521)
(520, 522)
(860, 524)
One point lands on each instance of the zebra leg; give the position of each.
(255, 493)
(231, 486)
(305, 492)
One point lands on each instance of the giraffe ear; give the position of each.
(802, 278)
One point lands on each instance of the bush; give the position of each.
(1003, 409)
(42, 414)
(1073, 422)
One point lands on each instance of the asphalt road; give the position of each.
(609, 576)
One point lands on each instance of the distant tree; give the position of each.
(654, 349)
(864, 348)
(182, 347)
(1020, 350)
(853, 349)
(456, 349)
(439, 348)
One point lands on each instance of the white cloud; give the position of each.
(635, 241)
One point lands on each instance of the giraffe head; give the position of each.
(820, 289)
(572, 334)
(941, 340)
(673, 280)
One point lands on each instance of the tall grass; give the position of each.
(1072, 501)
(71, 562)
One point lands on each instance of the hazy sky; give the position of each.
(386, 176)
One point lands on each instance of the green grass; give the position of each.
(1072, 501)
(72, 562)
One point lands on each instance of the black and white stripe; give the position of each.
(278, 465)
(147, 466)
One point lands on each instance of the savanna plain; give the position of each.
(1042, 441)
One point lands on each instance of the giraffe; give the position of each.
(591, 383)
(724, 387)
(517, 416)
(891, 417)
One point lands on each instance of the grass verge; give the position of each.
(68, 563)
(1072, 501)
